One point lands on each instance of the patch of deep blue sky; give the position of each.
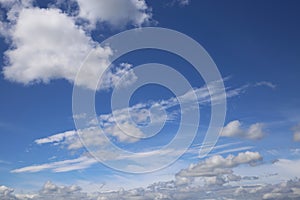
(250, 41)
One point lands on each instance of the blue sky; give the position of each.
(254, 44)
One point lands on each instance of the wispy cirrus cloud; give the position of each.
(60, 166)
(129, 128)
(266, 83)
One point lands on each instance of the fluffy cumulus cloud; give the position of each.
(117, 13)
(217, 170)
(47, 44)
(7, 193)
(234, 129)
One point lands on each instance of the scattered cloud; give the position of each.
(217, 166)
(117, 13)
(164, 190)
(128, 126)
(132, 119)
(213, 172)
(234, 129)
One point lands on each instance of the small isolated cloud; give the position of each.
(118, 13)
(296, 130)
(234, 129)
(179, 2)
(184, 2)
(267, 84)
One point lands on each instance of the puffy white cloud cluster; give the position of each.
(48, 44)
(117, 13)
(7, 193)
(234, 129)
(217, 170)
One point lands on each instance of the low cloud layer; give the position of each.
(211, 178)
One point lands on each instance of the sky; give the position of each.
(83, 119)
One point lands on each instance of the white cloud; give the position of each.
(60, 166)
(6, 193)
(184, 2)
(179, 2)
(117, 13)
(215, 187)
(233, 150)
(266, 83)
(130, 128)
(48, 45)
(287, 168)
(92, 136)
(121, 77)
(218, 165)
(169, 190)
(56, 138)
(234, 129)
